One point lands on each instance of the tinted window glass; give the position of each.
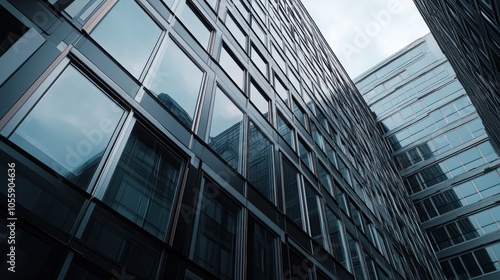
(144, 184)
(122, 34)
(292, 194)
(258, 99)
(262, 252)
(260, 168)
(11, 30)
(232, 68)
(216, 233)
(226, 129)
(177, 87)
(236, 31)
(70, 127)
(195, 25)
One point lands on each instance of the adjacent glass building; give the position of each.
(469, 34)
(442, 153)
(192, 139)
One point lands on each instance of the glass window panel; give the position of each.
(259, 100)
(485, 261)
(144, 184)
(121, 34)
(324, 177)
(344, 171)
(226, 129)
(285, 131)
(337, 239)
(259, 61)
(459, 268)
(212, 3)
(260, 162)
(314, 214)
(216, 234)
(299, 113)
(70, 127)
(12, 30)
(292, 196)
(195, 25)
(236, 31)
(355, 257)
(280, 89)
(129, 249)
(262, 252)
(471, 265)
(232, 68)
(177, 88)
(305, 154)
(259, 31)
(298, 261)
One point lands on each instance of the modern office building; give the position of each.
(443, 155)
(469, 34)
(172, 139)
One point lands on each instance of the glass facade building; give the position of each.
(469, 33)
(192, 139)
(443, 154)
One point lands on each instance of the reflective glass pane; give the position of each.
(260, 164)
(226, 129)
(292, 197)
(236, 31)
(257, 98)
(232, 68)
(335, 229)
(285, 131)
(262, 252)
(280, 89)
(314, 213)
(145, 181)
(195, 25)
(216, 234)
(121, 34)
(258, 61)
(177, 88)
(305, 154)
(70, 127)
(12, 30)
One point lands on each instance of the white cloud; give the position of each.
(364, 32)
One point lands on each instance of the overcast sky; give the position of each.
(364, 32)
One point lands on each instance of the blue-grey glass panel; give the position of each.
(305, 154)
(226, 129)
(236, 31)
(216, 234)
(291, 187)
(195, 25)
(70, 127)
(121, 245)
(280, 89)
(122, 34)
(299, 113)
(169, 2)
(145, 181)
(232, 68)
(262, 253)
(258, 61)
(177, 88)
(260, 162)
(285, 131)
(314, 213)
(259, 101)
(335, 229)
